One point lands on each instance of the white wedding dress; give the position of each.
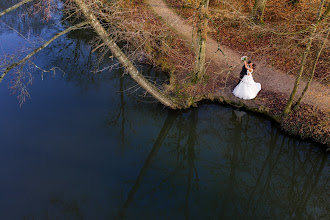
(247, 88)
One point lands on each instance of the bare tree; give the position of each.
(91, 11)
(312, 32)
(202, 22)
(123, 59)
(258, 11)
(316, 59)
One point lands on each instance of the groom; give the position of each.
(243, 71)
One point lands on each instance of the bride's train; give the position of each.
(247, 88)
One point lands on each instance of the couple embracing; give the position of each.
(247, 88)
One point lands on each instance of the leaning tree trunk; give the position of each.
(14, 7)
(258, 11)
(287, 108)
(313, 70)
(201, 39)
(123, 59)
(27, 57)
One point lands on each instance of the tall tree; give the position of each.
(287, 108)
(202, 22)
(316, 59)
(258, 11)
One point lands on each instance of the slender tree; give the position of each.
(202, 22)
(313, 70)
(258, 11)
(323, 16)
(313, 28)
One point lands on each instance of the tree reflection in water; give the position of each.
(251, 179)
(158, 143)
(208, 162)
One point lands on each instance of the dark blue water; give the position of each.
(89, 146)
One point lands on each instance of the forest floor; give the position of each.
(271, 79)
(312, 120)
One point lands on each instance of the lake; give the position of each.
(93, 145)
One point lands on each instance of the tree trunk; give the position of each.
(14, 7)
(313, 70)
(258, 11)
(287, 108)
(123, 59)
(326, 12)
(201, 39)
(40, 48)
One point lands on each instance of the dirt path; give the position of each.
(270, 79)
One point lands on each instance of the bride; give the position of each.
(247, 88)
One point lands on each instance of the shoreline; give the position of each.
(310, 123)
(169, 48)
(253, 107)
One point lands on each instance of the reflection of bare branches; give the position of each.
(271, 171)
(230, 193)
(191, 142)
(309, 187)
(182, 154)
(46, 7)
(20, 34)
(109, 68)
(161, 136)
(267, 161)
(70, 208)
(22, 61)
(122, 110)
(53, 69)
(19, 85)
(22, 76)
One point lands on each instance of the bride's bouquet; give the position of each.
(244, 58)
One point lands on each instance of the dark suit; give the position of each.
(242, 73)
